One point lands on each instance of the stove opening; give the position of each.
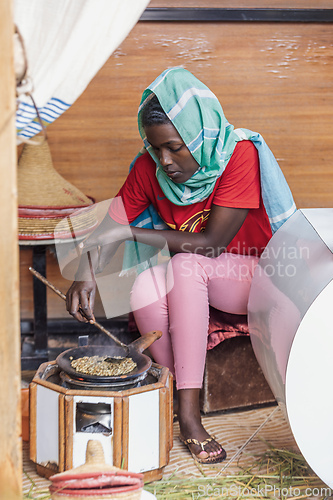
(93, 418)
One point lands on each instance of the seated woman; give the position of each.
(207, 182)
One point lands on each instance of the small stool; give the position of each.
(233, 378)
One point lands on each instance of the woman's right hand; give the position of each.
(80, 300)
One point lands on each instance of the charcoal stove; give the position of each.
(131, 419)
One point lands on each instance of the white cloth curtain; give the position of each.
(66, 43)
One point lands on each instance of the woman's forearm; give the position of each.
(179, 241)
(87, 266)
(222, 225)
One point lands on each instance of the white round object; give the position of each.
(146, 495)
(309, 381)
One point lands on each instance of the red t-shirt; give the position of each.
(238, 187)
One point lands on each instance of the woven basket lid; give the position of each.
(42, 228)
(40, 185)
(96, 479)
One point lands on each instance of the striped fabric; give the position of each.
(27, 123)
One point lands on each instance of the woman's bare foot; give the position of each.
(192, 431)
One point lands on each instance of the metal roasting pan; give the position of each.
(135, 351)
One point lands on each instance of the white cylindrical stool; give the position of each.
(291, 329)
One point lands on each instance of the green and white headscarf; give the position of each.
(198, 117)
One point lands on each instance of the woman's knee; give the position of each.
(185, 265)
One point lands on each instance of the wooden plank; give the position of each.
(33, 421)
(62, 431)
(44, 471)
(117, 431)
(69, 425)
(164, 431)
(125, 433)
(153, 475)
(10, 440)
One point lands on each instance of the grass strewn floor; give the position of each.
(270, 466)
(276, 474)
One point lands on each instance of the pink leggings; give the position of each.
(175, 298)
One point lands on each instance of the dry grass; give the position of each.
(275, 474)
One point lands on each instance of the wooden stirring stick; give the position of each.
(63, 296)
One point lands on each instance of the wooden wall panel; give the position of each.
(272, 78)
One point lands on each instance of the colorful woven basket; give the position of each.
(96, 480)
(46, 198)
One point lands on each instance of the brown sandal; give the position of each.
(208, 460)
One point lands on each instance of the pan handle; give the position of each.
(145, 341)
